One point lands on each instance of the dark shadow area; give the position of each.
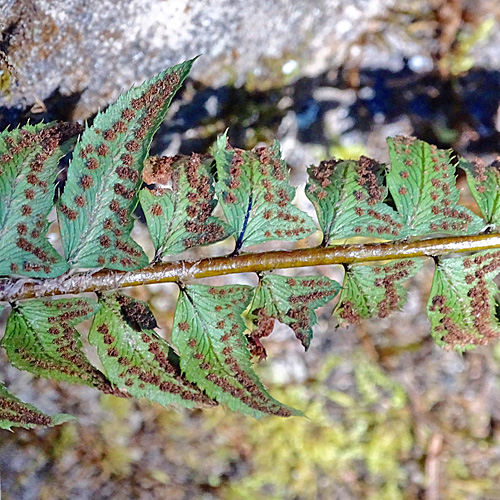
(57, 107)
(459, 112)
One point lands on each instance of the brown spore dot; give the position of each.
(133, 175)
(103, 329)
(126, 262)
(105, 241)
(14, 267)
(103, 150)
(113, 352)
(404, 175)
(92, 164)
(101, 260)
(86, 182)
(120, 127)
(128, 114)
(132, 146)
(119, 189)
(29, 194)
(230, 198)
(114, 206)
(22, 229)
(79, 201)
(183, 326)
(127, 160)
(123, 215)
(68, 212)
(109, 135)
(140, 133)
(26, 210)
(37, 166)
(156, 210)
(137, 103)
(402, 191)
(32, 179)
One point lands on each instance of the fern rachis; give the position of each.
(217, 329)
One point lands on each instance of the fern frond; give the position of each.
(217, 329)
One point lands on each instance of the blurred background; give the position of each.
(390, 415)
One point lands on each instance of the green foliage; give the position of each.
(291, 300)
(180, 217)
(374, 291)
(462, 306)
(484, 184)
(422, 183)
(348, 197)
(105, 175)
(208, 331)
(217, 329)
(135, 357)
(29, 158)
(40, 338)
(255, 194)
(15, 413)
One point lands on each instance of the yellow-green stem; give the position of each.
(17, 289)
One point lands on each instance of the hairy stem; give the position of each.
(163, 272)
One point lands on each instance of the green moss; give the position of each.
(460, 59)
(347, 152)
(361, 442)
(116, 434)
(66, 440)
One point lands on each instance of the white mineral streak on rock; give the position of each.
(101, 47)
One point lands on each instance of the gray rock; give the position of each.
(101, 47)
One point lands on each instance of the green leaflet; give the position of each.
(422, 183)
(255, 194)
(291, 300)
(348, 197)
(180, 217)
(15, 413)
(29, 159)
(105, 175)
(484, 184)
(40, 338)
(135, 357)
(375, 290)
(208, 331)
(461, 304)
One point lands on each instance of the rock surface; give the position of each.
(98, 48)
